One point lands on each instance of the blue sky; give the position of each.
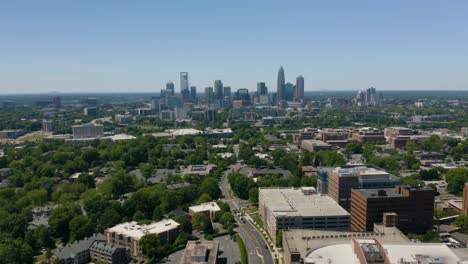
(128, 46)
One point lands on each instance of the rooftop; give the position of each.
(299, 202)
(201, 252)
(210, 206)
(136, 231)
(396, 253)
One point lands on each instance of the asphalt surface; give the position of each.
(256, 246)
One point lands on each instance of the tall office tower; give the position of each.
(218, 89)
(299, 91)
(170, 88)
(184, 84)
(242, 94)
(209, 94)
(280, 84)
(262, 89)
(155, 103)
(227, 91)
(57, 101)
(371, 97)
(288, 92)
(193, 93)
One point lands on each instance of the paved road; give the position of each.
(256, 246)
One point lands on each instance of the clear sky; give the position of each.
(137, 46)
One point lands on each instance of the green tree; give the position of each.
(80, 227)
(146, 170)
(202, 222)
(149, 245)
(15, 251)
(60, 218)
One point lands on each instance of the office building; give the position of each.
(227, 92)
(57, 101)
(218, 89)
(299, 91)
(129, 234)
(89, 130)
(193, 94)
(200, 252)
(47, 125)
(369, 134)
(397, 137)
(90, 111)
(374, 249)
(288, 92)
(299, 243)
(170, 88)
(184, 82)
(288, 208)
(465, 199)
(156, 103)
(280, 84)
(262, 89)
(322, 179)
(314, 145)
(209, 94)
(11, 134)
(210, 209)
(413, 208)
(342, 179)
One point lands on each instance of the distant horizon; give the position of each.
(202, 92)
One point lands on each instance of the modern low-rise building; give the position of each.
(284, 208)
(89, 130)
(210, 209)
(314, 145)
(299, 243)
(368, 134)
(413, 208)
(11, 134)
(342, 179)
(200, 252)
(129, 234)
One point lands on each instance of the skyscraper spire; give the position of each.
(280, 84)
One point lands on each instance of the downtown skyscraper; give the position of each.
(299, 89)
(218, 89)
(280, 84)
(184, 83)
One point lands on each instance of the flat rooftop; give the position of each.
(293, 202)
(211, 206)
(397, 253)
(205, 252)
(136, 231)
(374, 193)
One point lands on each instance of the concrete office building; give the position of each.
(372, 250)
(414, 208)
(47, 125)
(299, 243)
(129, 234)
(314, 145)
(90, 111)
(210, 209)
(209, 94)
(369, 134)
(342, 179)
(299, 88)
(397, 137)
(184, 82)
(262, 89)
(88, 130)
(218, 89)
(285, 208)
(198, 252)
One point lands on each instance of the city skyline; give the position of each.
(119, 47)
